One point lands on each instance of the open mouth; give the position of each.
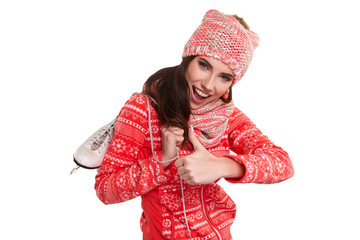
(199, 95)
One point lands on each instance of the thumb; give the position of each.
(193, 139)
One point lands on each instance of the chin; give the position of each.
(194, 106)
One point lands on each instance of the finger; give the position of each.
(179, 140)
(179, 163)
(190, 182)
(181, 170)
(167, 135)
(193, 139)
(176, 131)
(186, 177)
(176, 136)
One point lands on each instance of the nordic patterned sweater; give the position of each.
(129, 170)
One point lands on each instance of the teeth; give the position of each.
(201, 93)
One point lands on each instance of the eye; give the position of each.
(203, 65)
(227, 78)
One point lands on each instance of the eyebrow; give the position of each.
(207, 62)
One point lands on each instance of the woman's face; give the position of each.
(208, 80)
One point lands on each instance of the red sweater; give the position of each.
(129, 170)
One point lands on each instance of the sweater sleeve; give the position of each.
(129, 168)
(264, 162)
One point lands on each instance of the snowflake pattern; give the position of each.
(129, 170)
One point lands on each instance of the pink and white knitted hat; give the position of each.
(222, 37)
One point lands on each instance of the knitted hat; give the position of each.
(222, 37)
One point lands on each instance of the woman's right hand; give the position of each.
(171, 137)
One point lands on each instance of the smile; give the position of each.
(200, 93)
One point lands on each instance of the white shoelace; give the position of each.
(173, 159)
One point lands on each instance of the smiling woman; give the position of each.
(173, 154)
(208, 80)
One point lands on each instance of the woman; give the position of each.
(194, 127)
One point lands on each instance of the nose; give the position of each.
(208, 83)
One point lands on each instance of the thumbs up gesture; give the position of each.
(200, 167)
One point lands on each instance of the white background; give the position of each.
(67, 67)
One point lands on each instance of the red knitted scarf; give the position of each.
(210, 121)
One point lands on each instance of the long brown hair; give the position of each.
(170, 89)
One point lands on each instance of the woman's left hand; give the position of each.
(200, 167)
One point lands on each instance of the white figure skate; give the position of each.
(90, 154)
